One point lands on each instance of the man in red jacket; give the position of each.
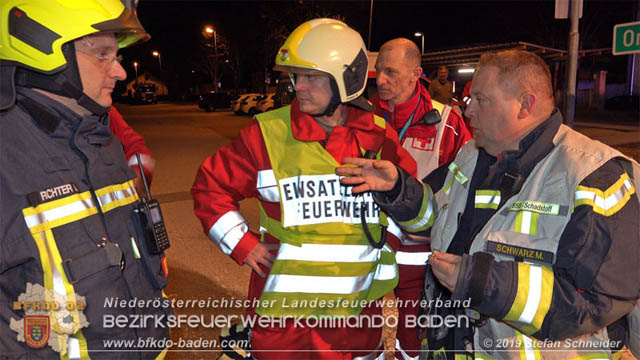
(133, 144)
(407, 107)
(314, 245)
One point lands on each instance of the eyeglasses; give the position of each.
(104, 60)
(109, 59)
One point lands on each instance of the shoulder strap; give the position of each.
(379, 121)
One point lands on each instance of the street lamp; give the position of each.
(419, 34)
(156, 53)
(135, 66)
(212, 33)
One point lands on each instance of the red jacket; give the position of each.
(466, 92)
(454, 136)
(132, 143)
(456, 133)
(231, 174)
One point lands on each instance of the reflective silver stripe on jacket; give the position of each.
(412, 258)
(329, 284)
(147, 162)
(425, 216)
(84, 203)
(228, 230)
(487, 199)
(318, 284)
(394, 229)
(328, 252)
(116, 195)
(268, 186)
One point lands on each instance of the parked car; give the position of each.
(214, 100)
(237, 108)
(145, 94)
(235, 102)
(248, 105)
(266, 104)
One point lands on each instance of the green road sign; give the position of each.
(626, 38)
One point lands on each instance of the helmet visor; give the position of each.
(127, 28)
(308, 75)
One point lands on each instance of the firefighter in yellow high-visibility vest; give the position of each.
(313, 258)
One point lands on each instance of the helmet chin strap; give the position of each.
(333, 103)
(71, 90)
(64, 83)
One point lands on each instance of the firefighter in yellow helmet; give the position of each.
(313, 258)
(72, 251)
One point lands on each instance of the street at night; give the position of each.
(320, 179)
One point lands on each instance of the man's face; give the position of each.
(442, 74)
(396, 80)
(494, 113)
(313, 91)
(98, 66)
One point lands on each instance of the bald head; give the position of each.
(407, 48)
(510, 96)
(397, 70)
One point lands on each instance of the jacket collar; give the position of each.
(402, 112)
(532, 149)
(49, 114)
(305, 128)
(46, 112)
(535, 146)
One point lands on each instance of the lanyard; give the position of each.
(408, 123)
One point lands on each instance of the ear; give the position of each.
(527, 102)
(417, 72)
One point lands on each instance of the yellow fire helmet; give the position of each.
(32, 32)
(329, 46)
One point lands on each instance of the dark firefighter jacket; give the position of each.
(69, 233)
(596, 279)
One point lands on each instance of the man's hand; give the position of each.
(137, 182)
(260, 255)
(376, 175)
(445, 267)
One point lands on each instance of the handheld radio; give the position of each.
(155, 232)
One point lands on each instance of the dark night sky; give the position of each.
(176, 26)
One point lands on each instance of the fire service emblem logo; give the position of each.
(36, 330)
(284, 54)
